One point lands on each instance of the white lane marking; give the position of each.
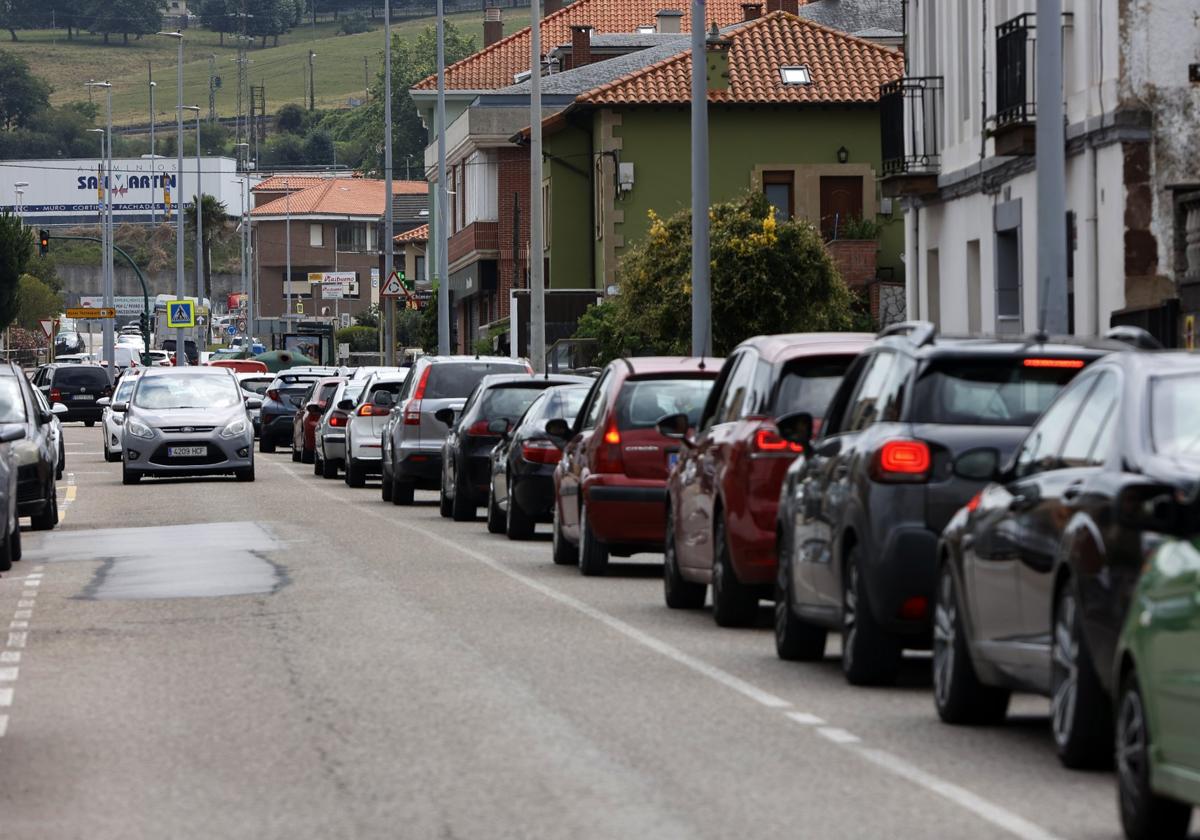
(38, 568)
(977, 805)
(6, 696)
(33, 582)
(34, 576)
(8, 674)
(3, 725)
(10, 656)
(18, 625)
(29, 602)
(17, 640)
(805, 719)
(29, 593)
(23, 614)
(997, 816)
(838, 736)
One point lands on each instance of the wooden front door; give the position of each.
(841, 199)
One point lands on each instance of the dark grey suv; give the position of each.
(860, 512)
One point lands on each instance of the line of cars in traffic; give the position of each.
(1023, 508)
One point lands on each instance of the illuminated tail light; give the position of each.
(273, 394)
(540, 452)
(412, 409)
(767, 441)
(973, 505)
(479, 429)
(55, 395)
(608, 455)
(902, 461)
(1070, 364)
(338, 419)
(369, 410)
(915, 608)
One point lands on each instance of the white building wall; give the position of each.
(482, 181)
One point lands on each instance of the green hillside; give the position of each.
(67, 65)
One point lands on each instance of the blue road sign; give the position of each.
(231, 330)
(181, 314)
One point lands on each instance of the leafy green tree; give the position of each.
(17, 14)
(768, 276)
(16, 250)
(35, 301)
(22, 94)
(271, 18)
(361, 339)
(291, 119)
(221, 16)
(427, 334)
(318, 148)
(127, 17)
(215, 214)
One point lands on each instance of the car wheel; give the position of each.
(1080, 713)
(445, 506)
(734, 603)
(6, 552)
(593, 554)
(89, 423)
(402, 492)
(957, 692)
(519, 525)
(266, 445)
(795, 640)
(565, 554)
(870, 655)
(462, 506)
(307, 456)
(316, 462)
(15, 542)
(295, 454)
(679, 594)
(47, 518)
(328, 468)
(495, 516)
(129, 476)
(110, 457)
(245, 475)
(1144, 814)
(355, 474)
(385, 488)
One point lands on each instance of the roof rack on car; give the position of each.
(1135, 337)
(919, 333)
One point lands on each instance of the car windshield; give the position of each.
(809, 384)
(1000, 392)
(12, 406)
(644, 402)
(75, 376)
(455, 380)
(167, 392)
(124, 390)
(1174, 407)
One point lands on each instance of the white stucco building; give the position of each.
(959, 151)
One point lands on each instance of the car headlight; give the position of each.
(137, 429)
(235, 429)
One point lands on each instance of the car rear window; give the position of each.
(643, 402)
(76, 376)
(255, 386)
(392, 388)
(508, 402)
(564, 403)
(990, 392)
(456, 380)
(1174, 407)
(809, 384)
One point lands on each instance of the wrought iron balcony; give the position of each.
(910, 121)
(1016, 86)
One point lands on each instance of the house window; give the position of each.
(352, 238)
(780, 190)
(316, 236)
(1008, 282)
(419, 269)
(795, 75)
(546, 215)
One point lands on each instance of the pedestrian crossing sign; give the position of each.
(180, 314)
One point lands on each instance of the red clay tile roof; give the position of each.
(294, 183)
(495, 66)
(339, 197)
(844, 69)
(417, 234)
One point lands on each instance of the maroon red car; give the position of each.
(723, 497)
(610, 485)
(308, 417)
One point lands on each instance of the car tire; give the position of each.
(295, 455)
(110, 457)
(129, 476)
(47, 517)
(329, 468)
(89, 423)
(316, 465)
(355, 474)
(795, 639)
(266, 445)
(734, 603)
(870, 655)
(6, 552)
(593, 554)
(462, 506)
(518, 525)
(1080, 710)
(245, 475)
(564, 553)
(445, 507)
(958, 695)
(307, 456)
(15, 542)
(1144, 814)
(402, 492)
(496, 521)
(385, 488)
(680, 594)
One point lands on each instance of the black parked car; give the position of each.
(491, 409)
(284, 398)
(78, 387)
(1036, 571)
(521, 493)
(860, 513)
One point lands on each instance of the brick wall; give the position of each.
(856, 260)
(513, 177)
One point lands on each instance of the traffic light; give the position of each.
(44, 242)
(144, 323)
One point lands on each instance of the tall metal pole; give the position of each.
(389, 226)
(180, 334)
(1051, 172)
(108, 323)
(312, 82)
(701, 289)
(200, 284)
(153, 189)
(287, 233)
(537, 248)
(443, 218)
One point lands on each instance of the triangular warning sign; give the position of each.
(393, 287)
(180, 313)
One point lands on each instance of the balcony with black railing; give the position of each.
(910, 124)
(1013, 124)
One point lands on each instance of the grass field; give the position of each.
(67, 65)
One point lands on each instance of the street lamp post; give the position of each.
(107, 274)
(246, 285)
(180, 335)
(153, 209)
(19, 188)
(200, 290)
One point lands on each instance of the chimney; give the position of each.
(493, 25)
(670, 22)
(581, 45)
(549, 7)
(792, 7)
(751, 11)
(717, 60)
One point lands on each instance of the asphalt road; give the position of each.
(295, 659)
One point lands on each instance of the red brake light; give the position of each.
(369, 410)
(1070, 364)
(337, 418)
(479, 429)
(540, 452)
(609, 458)
(914, 608)
(420, 392)
(768, 440)
(612, 436)
(273, 394)
(55, 395)
(903, 460)
(412, 408)
(973, 505)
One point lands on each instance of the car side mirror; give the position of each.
(796, 427)
(313, 408)
(559, 430)
(980, 464)
(104, 401)
(445, 416)
(59, 408)
(1150, 507)
(252, 404)
(499, 427)
(675, 427)
(120, 407)
(346, 405)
